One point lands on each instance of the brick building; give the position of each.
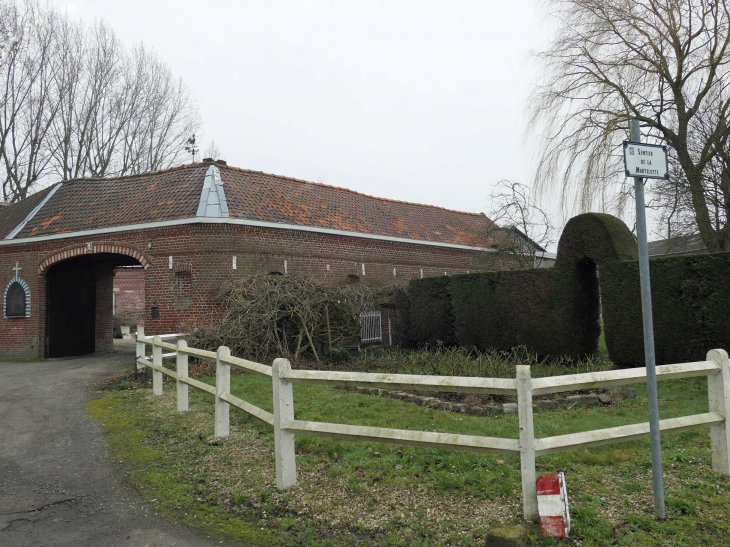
(191, 227)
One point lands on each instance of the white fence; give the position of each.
(716, 368)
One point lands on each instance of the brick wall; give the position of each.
(129, 295)
(202, 260)
(20, 336)
(103, 340)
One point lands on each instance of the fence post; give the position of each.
(718, 394)
(157, 362)
(222, 386)
(527, 443)
(140, 354)
(182, 372)
(285, 457)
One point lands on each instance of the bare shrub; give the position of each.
(263, 316)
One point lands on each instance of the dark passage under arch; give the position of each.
(79, 316)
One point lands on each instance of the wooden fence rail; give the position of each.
(524, 387)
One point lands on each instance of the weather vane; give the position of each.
(191, 148)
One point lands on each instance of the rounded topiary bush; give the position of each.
(597, 236)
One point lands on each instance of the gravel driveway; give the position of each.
(57, 483)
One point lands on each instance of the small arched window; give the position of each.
(17, 299)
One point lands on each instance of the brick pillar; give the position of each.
(104, 329)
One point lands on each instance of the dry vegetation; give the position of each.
(261, 316)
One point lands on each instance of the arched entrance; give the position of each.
(79, 299)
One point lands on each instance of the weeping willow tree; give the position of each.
(663, 62)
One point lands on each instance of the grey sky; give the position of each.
(416, 100)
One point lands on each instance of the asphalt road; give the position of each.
(58, 485)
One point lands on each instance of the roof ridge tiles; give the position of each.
(346, 190)
(138, 175)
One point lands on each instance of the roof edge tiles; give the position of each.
(33, 213)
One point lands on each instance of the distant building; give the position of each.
(543, 258)
(677, 246)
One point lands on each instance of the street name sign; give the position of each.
(645, 160)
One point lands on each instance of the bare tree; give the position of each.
(29, 101)
(519, 225)
(664, 62)
(76, 103)
(212, 151)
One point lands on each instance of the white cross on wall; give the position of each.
(17, 270)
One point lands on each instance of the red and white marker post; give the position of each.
(552, 505)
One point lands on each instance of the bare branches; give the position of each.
(76, 103)
(526, 228)
(665, 62)
(286, 315)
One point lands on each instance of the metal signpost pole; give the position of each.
(646, 313)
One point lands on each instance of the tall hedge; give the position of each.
(430, 314)
(552, 312)
(691, 305)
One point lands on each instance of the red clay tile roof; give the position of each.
(272, 198)
(87, 204)
(12, 215)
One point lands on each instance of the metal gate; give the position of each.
(372, 326)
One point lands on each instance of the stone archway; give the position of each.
(79, 284)
(90, 249)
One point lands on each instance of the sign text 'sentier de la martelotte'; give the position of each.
(645, 160)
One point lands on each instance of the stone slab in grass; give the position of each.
(507, 536)
(546, 404)
(509, 408)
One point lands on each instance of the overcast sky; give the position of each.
(416, 100)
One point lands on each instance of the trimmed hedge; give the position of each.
(430, 315)
(602, 238)
(552, 312)
(691, 304)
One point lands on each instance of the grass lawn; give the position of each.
(383, 494)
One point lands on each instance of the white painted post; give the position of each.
(222, 386)
(718, 393)
(527, 443)
(140, 353)
(157, 362)
(286, 464)
(182, 372)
